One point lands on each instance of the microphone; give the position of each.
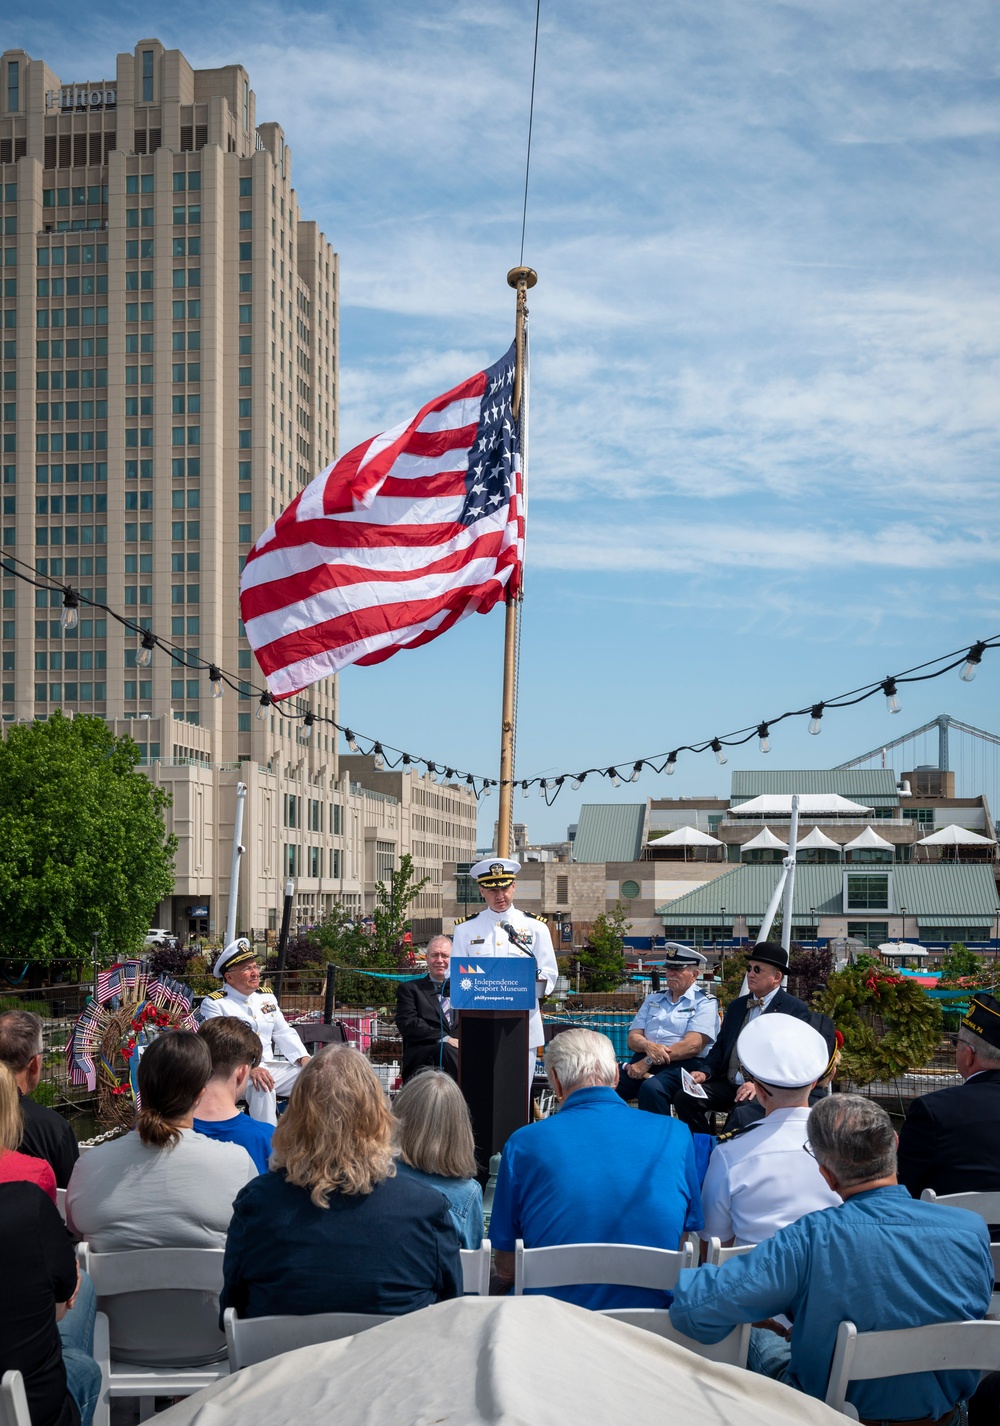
(511, 934)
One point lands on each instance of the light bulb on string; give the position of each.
(486, 789)
(720, 756)
(612, 772)
(379, 759)
(524, 789)
(352, 741)
(263, 707)
(215, 678)
(578, 781)
(70, 616)
(972, 661)
(449, 774)
(636, 770)
(816, 719)
(307, 726)
(144, 657)
(764, 738)
(891, 700)
(671, 766)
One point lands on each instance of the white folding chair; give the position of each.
(717, 1254)
(476, 1270)
(944, 1346)
(732, 1349)
(61, 1203)
(609, 1264)
(255, 1339)
(987, 1205)
(149, 1270)
(13, 1402)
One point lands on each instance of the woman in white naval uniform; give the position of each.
(502, 930)
(242, 997)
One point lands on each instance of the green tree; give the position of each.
(83, 845)
(961, 963)
(602, 960)
(392, 902)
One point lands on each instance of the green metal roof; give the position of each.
(936, 895)
(875, 787)
(609, 832)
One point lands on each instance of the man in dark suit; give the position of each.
(424, 1016)
(950, 1140)
(720, 1079)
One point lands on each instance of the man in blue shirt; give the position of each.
(879, 1260)
(673, 1027)
(235, 1051)
(596, 1172)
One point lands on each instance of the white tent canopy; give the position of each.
(811, 804)
(818, 839)
(868, 839)
(765, 839)
(684, 837)
(902, 948)
(952, 836)
(506, 1360)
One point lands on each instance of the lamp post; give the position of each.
(814, 927)
(722, 953)
(902, 912)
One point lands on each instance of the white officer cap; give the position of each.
(681, 957)
(495, 871)
(237, 953)
(782, 1051)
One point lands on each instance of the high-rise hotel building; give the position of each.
(169, 383)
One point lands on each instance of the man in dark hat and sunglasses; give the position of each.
(720, 1078)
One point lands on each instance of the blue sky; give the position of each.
(766, 342)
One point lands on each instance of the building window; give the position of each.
(870, 933)
(147, 76)
(385, 860)
(13, 86)
(630, 890)
(866, 892)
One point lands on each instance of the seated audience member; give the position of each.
(161, 1186)
(242, 998)
(720, 1079)
(46, 1311)
(594, 1173)
(235, 1051)
(879, 1260)
(343, 1232)
(15, 1166)
(47, 1135)
(758, 1178)
(435, 1146)
(673, 1027)
(950, 1140)
(424, 1016)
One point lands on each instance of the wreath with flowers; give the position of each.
(889, 1025)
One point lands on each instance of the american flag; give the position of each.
(395, 542)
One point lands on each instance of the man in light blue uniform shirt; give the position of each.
(880, 1260)
(673, 1026)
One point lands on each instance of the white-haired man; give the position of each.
(594, 1173)
(241, 996)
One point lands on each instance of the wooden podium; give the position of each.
(493, 1076)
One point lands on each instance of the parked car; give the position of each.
(158, 934)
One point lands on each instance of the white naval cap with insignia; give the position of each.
(679, 957)
(237, 953)
(495, 871)
(782, 1052)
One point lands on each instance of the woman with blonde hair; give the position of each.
(343, 1231)
(15, 1167)
(436, 1147)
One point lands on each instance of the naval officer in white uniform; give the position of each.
(759, 1179)
(502, 930)
(241, 996)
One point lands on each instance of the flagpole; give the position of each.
(520, 278)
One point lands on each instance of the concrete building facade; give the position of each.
(169, 377)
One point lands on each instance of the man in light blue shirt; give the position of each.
(596, 1172)
(673, 1027)
(879, 1259)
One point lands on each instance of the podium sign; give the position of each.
(493, 983)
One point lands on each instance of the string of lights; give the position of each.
(385, 755)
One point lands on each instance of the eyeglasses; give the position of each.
(811, 1152)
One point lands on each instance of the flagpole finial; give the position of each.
(517, 275)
